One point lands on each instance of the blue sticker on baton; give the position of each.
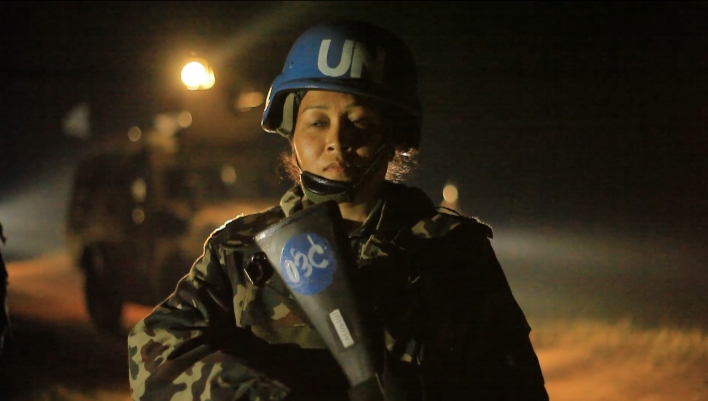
(307, 263)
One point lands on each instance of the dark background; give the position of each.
(577, 130)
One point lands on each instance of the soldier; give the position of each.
(347, 102)
(4, 313)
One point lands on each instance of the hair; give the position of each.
(404, 163)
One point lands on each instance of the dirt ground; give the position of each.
(596, 361)
(56, 355)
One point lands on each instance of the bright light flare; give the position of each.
(139, 190)
(249, 100)
(166, 124)
(134, 134)
(138, 215)
(450, 193)
(194, 74)
(228, 175)
(209, 80)
(184, 119)
(33, 213)
(197, 75)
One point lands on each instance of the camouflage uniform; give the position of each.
(453, 329)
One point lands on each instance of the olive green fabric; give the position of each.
(452, 326)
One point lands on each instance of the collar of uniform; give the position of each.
(400, 207)
(403, 208)
(294, 200)
(371, 223)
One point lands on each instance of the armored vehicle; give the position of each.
(140, 211)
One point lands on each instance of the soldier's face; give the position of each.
(337, 135)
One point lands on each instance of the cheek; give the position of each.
(369, 149)
(308, 152)
(364, 152)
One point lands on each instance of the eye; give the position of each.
(364, 119)
(317, 123)
(364, 123)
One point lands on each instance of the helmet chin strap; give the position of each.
(319, 189)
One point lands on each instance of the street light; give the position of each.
(196, 75)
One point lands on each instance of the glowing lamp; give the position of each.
(196, 75)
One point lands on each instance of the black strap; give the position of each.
(233, 265)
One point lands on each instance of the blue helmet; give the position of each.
(350, 57)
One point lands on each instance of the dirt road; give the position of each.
(56, 355)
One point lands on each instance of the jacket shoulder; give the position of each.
(441, 224)
(242, 229)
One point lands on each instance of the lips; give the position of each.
(341, 169)
(339, 166)
(335, 167)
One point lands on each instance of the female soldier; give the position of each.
(347, 101)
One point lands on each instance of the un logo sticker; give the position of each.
(307, 263)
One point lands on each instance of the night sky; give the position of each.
(591, 116)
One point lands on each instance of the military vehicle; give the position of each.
(141, 210)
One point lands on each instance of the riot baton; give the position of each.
(310, 252)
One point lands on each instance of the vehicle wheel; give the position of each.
(103, 300)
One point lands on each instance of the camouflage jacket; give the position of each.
(453, 329)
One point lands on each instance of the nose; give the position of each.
(339, 138)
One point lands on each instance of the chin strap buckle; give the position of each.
(319, 189)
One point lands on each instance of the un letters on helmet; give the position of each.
(353, 57)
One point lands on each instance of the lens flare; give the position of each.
(134, 134)
(228, 175)
(184, 119)
(194, 74)
(450, 193)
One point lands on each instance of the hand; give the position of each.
(311, 374)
